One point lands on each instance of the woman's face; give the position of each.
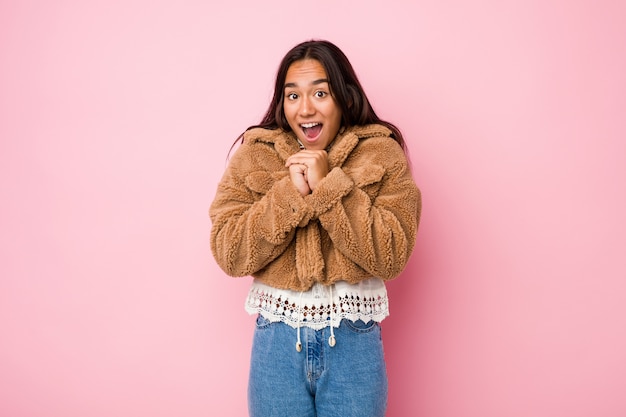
(309, 107)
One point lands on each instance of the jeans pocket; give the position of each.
(360, 326)
(262, 322)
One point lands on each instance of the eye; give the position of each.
(292, 96)
(320, 94)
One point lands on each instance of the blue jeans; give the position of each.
(347, 380)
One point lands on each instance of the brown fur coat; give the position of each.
(360, 222)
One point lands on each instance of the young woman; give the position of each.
(318, 205)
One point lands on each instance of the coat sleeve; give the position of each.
(255, 212)
(371, 213)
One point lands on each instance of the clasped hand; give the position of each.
(306, 169)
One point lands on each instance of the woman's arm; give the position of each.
(255, 211)
(371, 212)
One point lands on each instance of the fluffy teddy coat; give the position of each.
(359, 222)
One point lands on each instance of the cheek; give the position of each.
(289, 114)
(333, 111)
(336, 116)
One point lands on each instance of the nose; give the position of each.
(306, 107)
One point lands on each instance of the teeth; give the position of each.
(308, 125)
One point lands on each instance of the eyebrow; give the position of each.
(316, 82)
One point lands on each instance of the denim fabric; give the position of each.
(347, 380)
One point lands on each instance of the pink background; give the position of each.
(115, 122)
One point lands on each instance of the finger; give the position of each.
(297, 160)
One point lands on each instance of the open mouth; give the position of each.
(311, 130)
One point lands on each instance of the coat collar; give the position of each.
(285, 143)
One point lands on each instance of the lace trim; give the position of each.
(315, 310)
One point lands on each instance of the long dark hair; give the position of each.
(344, 86)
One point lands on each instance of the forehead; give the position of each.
(305, 72)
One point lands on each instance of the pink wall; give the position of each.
(115, 122)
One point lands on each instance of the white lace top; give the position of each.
(322, 305)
